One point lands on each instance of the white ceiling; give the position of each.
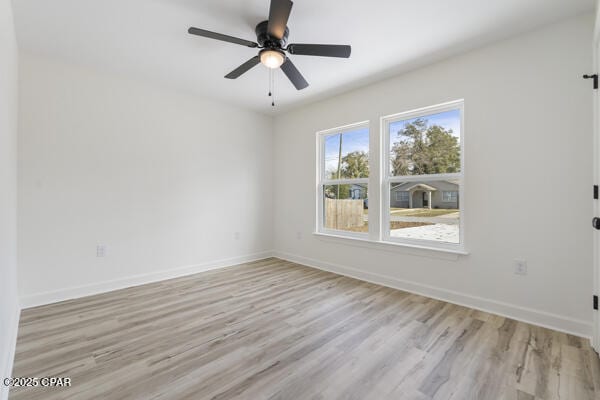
(149, 39)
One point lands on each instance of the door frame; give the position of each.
(596, 176)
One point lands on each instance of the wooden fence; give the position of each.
(343, 214)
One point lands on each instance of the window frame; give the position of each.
(323, 181)
(386, 179)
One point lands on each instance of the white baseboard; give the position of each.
(536, 317)
(44, 298)
(6, 364)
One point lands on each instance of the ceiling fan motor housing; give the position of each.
(265, 40)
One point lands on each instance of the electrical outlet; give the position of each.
(101, 250)
(520, 267)
(236, 235)
(299, 235)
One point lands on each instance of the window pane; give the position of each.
(424, 212)
(347, 155)
(429, 144)
(345, 207)
(449, 196)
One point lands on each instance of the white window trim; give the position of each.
(322, 181)
(380, 238)
(420, 249)
(386, 179)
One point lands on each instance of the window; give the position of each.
(450, 197)
(420, 179)
(344, 180)
(401, 195)
(423, 158)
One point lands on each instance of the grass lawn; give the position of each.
(394, 225)
(421, 212)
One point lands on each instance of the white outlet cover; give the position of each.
(101, 250)
(520, 267)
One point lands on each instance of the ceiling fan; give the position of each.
(272, 37)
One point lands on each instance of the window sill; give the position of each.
(407, 248)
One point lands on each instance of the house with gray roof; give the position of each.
(430, 194)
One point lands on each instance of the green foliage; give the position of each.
(355, 165)
(337, 191)
(424, 149)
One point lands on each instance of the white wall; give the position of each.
(164, 180)
(528, 138)
(9, 304)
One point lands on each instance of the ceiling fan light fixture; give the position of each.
(271, 58)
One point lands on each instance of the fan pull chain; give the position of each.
(273, 88)
(270, 87)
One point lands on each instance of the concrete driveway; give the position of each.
(448, 233)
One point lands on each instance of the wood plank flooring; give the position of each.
(277, 330)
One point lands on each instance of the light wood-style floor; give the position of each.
(277, 330)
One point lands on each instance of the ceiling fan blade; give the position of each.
(220, 36)
(279, 13)
(290, 70)
(243, 68)
(323, 50)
